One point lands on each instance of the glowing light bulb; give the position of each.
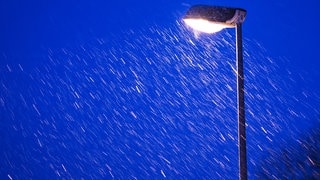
(205, 25)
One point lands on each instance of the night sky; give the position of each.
(124, 90)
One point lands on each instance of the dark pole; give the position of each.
(241, 110)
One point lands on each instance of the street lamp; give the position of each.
(211, 19)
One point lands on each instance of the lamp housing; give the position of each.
(211, 19)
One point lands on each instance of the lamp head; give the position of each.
(211, 19)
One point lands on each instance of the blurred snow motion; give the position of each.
(152, 103)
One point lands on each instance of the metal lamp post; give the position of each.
(211, 19)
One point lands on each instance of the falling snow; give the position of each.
(151, 103)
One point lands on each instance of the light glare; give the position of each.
(205, 25)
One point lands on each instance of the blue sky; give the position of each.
(123, 89)
(284, 28)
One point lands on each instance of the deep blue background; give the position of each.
(123, 89)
